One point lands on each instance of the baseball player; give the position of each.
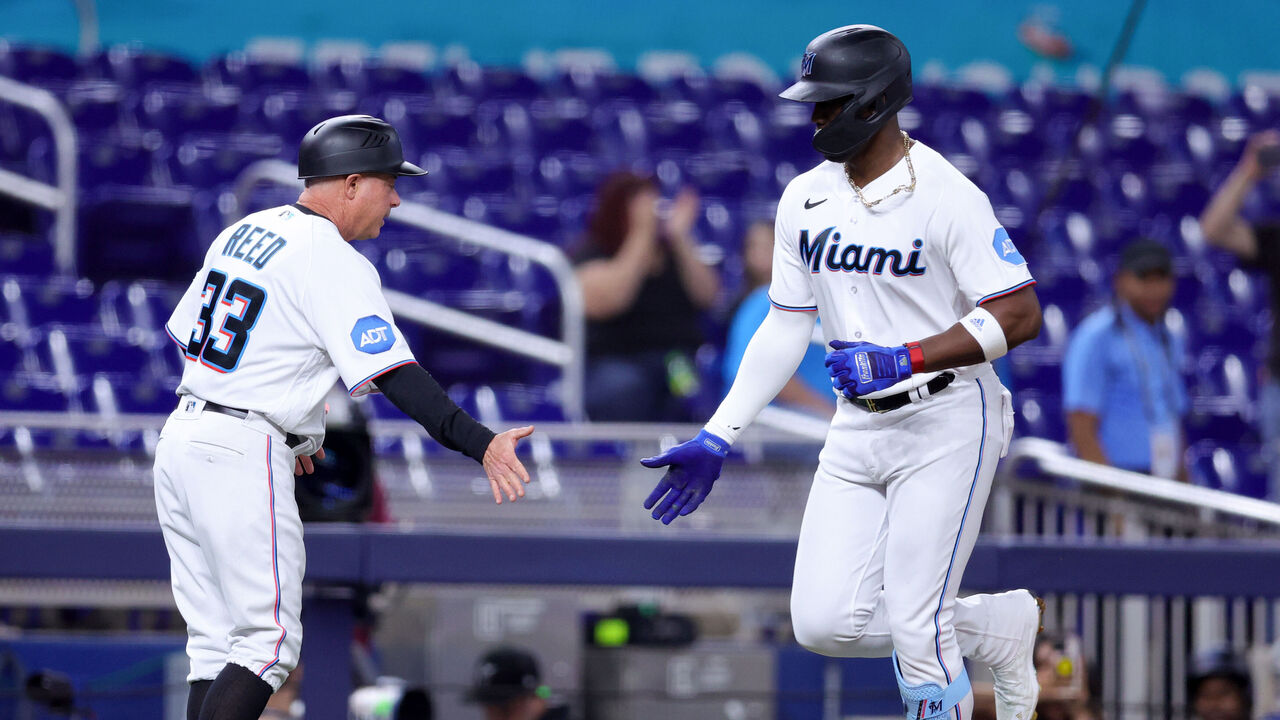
(919, 289)
(282, 307)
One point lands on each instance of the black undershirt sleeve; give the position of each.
(412, 389)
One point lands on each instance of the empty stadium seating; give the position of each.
(161, 140)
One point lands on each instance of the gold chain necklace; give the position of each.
(909, 187)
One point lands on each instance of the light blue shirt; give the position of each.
(752, 311)
(1128, 374)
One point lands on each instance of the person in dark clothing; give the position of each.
(1219, 687)
(643, 285)
(1258, 247)
(508, 686)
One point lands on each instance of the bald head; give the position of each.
(357, 204)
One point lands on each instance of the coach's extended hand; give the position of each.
(693, 468)
(506, 472)
(858, 368)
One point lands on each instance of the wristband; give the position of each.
(712, 444)
(984, 328)
(916, 353)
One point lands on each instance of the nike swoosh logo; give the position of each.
(809, 204)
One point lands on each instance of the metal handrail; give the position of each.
(568, 353)
(1052, 459)
(60, 198)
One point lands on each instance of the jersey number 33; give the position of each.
(243, 301)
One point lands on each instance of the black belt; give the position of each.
(290, 439)
(893, 402)
(224, 410)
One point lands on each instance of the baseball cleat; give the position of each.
(1016, 687)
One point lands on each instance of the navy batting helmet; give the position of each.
(868, 65)
(352, 144)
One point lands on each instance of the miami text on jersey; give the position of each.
(242, 245)
(857, 258)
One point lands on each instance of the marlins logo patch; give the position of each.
(372, 335)
(806, 64)
(1004, 248)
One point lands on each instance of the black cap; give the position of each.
(504, 673)
(1219, 664)
(1144, 256)
(351, 144)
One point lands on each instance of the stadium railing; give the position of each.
(60, 198)
(1145, 572)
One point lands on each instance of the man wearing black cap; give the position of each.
(507, 684)
(282, 308)
(1219, 687)
(1121, 387)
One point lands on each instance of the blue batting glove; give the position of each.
(858, 368)
(694, 467)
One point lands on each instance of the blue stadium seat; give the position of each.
(524, 403)
(174, 108)
(728, 173)
(491, 83)
(466, 172)
(562, 125)
(257, 75)
(596, 87)
(135, 66)
(26, 254)
(31, 392)
(94, 352)
(568, 174)
(128, 232)
(95, 105)
(207, 160)
(291, 113)
(42, 66)
(66, 302)
(1236, 468)
(150, 397)
(428, 122)
(674, 126)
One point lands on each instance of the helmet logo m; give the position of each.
(806, 64)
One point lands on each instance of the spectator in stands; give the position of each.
(1063, 678)
(1121, 383)
(508, 686)
(810, 388)
(643, 285)
(1258, 246)
(1219, 687)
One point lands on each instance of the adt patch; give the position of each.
(372, 335)
(1005, 249)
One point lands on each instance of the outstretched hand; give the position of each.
(506, 473)
(304, 464)
(693, 467)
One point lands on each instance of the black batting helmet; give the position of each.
(864, 62)
(352, 144)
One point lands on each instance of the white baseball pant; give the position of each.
(891, 519)
(224, 494)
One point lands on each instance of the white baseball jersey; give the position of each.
(897, 499)
(904, 270)
(281, 308)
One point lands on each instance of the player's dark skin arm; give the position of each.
(1082, 429)
(1018, 314)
